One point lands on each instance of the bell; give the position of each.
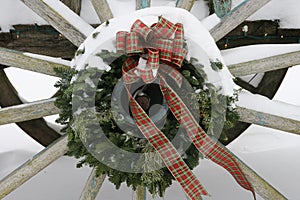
(143, 99)
(148, 96)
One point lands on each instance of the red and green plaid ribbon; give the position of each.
(155, 43)
(209, 148)
(172, 159)
(164, 42)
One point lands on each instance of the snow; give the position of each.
(290, 84)
(31, 86)
(265, 105)
(70, 16)
(210, 21)
(273, 154)
(254, 52)
(14, 12)
(286, 11)
(48, 58)
(273, 10)
(200, 44)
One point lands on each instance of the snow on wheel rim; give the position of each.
(200, 45)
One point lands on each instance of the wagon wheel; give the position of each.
(76, 30)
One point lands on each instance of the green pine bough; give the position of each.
(205, 95)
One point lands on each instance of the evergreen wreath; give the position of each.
(156, 181)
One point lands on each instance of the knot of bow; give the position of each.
(162, 42)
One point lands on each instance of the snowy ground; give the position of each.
(273, 154)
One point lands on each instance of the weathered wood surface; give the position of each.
(28, 111)
(74, 5)
(102, 9)
(257, 31)
(36, 128)
(92, 186)
(261, 187)
(140, 193)
(261, 112)
(20, 60)
(73, 28)
(33, 166)
(185, 4)
(265, 64)
(269, 120)
(233, 19)
(30, 62)
(44, 40)
(222, 7)
(267, 87)
(139, 4)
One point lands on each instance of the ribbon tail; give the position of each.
(172, 159)
(212, 150)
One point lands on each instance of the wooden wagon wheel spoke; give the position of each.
(33, 166)
(92, 186)
(46, 64)
(261, 187)
(62, 19)
(263, 112)
(37, 128)
(139, 4)
(74, 5)
(235, 18)
(28, 111)
(32, 62)
(76, 30)
(185, 4)
(265, 64)
(102, 9)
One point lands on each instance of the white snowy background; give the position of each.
(272, 154)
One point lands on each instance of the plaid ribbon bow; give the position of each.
(143, 40)
(155, 44)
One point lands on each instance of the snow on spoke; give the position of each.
(33, 166)
(265, 64)
(102, 9)
(32, 62)
(236, 17)
(92, 186)
(28, 111)
(186, 4)
(62, 19)
(257, 109)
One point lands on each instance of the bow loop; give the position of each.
(164, 28)
(143, 30)
(165, 48)
(163, 42)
